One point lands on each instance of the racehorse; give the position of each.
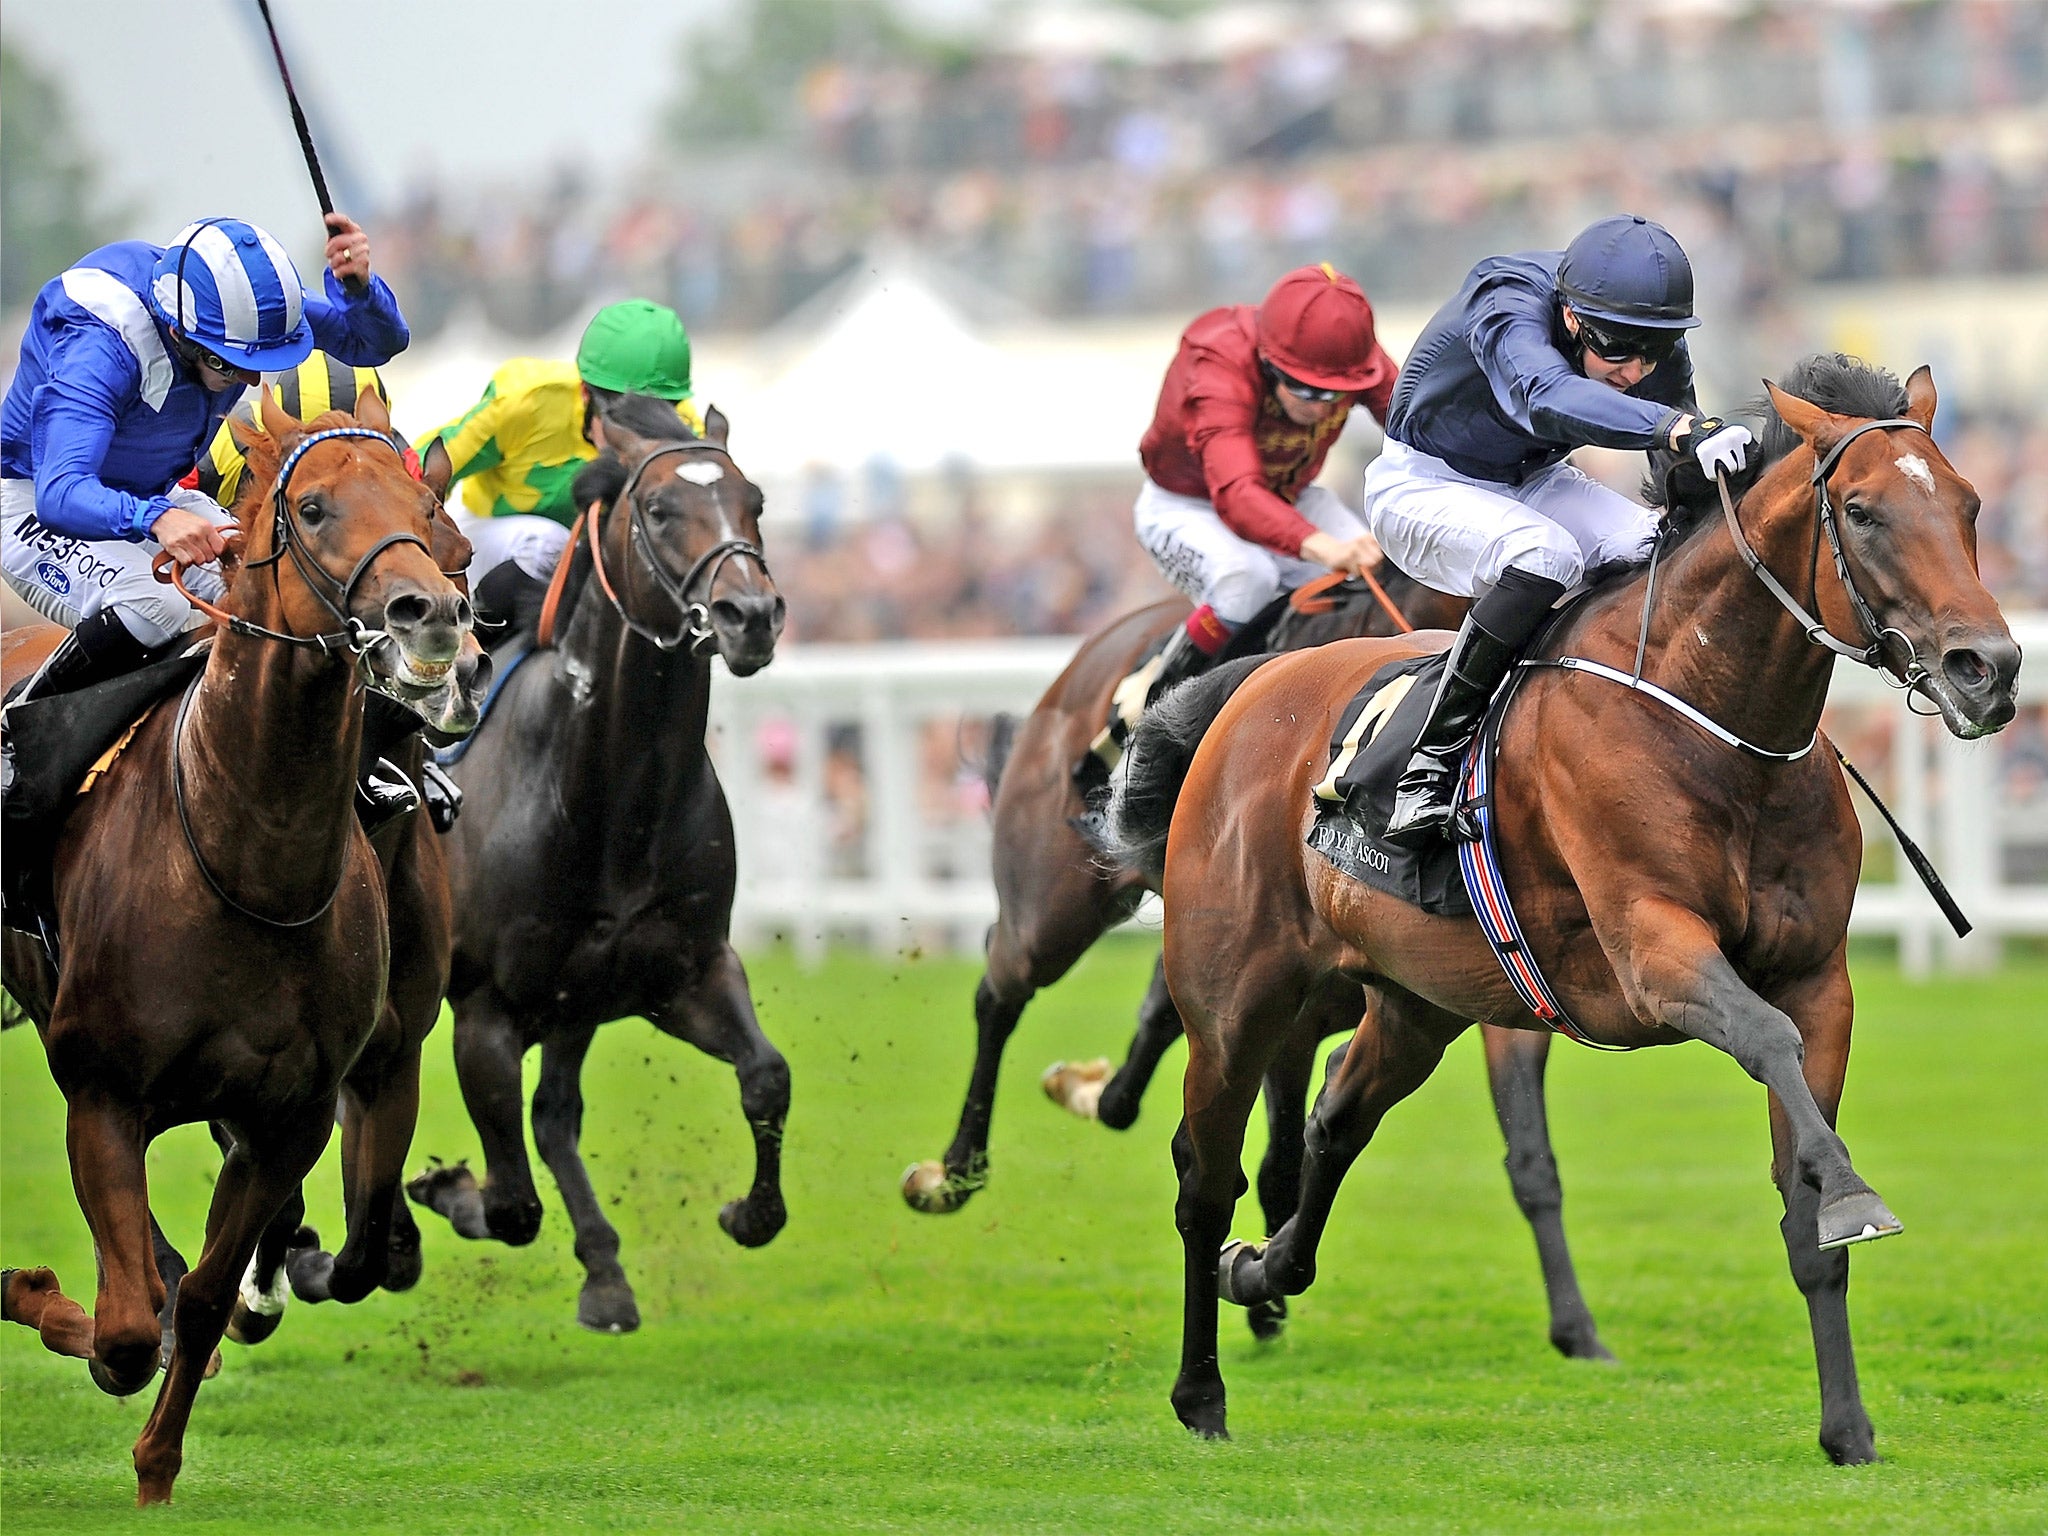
(1057, 894)
(593, 864)
(221, 916)
(1678, 876)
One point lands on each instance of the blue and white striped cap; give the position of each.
(230, 287)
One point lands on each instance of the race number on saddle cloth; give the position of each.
(1537, 354)
(517, 450)
(130, 361)
(1248, 411)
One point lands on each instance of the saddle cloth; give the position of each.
(1374, 737)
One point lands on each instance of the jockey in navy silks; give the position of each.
(1537, 354)
(130, 361)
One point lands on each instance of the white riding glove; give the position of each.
(1720, 447)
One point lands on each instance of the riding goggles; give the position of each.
(1622, 346)
(212, 362)
(1302, 391)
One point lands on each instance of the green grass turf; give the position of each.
(1006, 1368)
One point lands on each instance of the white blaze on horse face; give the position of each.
(1915, 469)
(697, 472)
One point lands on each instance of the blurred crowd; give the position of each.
(1807, 142)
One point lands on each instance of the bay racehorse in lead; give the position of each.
(222, 916)
(593, 865)
(1057, 894)
(1671, 884)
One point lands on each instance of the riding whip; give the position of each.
(353, 286)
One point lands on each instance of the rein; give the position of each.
(1313, 597)
(354, 637)
(192, 844)
(696, 615)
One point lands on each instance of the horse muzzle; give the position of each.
(1976, 683)
(747, 625)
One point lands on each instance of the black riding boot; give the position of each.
(1181, 660)
(99, 648)
(383, 792)
(508, 604)
(1499, 624)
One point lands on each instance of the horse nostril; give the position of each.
(408, 611)
(464, 616)
(1966, 669)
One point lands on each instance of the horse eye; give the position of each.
(312, 510)
(1859, 514)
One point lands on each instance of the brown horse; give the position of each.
(1057, 895)
(223, 918)
(1670, 885)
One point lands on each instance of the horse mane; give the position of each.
(604, 477)
(1834, 381)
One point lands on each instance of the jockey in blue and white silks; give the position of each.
(1537, 354)
(130, 361)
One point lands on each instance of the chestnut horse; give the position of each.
(223, 918)
(1057, 894)
(593, 866)
(1671, 885)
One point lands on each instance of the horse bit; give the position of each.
(696, 615)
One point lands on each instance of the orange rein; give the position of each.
(1310, 597)
(552, 603)
(165, 567)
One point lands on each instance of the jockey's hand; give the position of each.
(1720, 447)
(348, 248)
(191, 539)
(1350, 556)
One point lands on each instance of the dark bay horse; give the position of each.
(1057, 895)
(1671, 886)
(223, 919)
(593, 864)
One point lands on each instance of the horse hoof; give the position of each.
(927, 1187)
(403, 1269)
(1581, 1346)
(607, 1306)
(451, 1190)
(249, 1328)
(1232, 1283)
(1853, 1446)
(1202, 1413)
(1076, 1086)
(120, 1383)
(753, 1223)
(1268, 1319)
(310, 1273)
(1858, 1218)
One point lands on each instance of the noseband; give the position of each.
(1910, 675)
(353, 637)
(696, 613)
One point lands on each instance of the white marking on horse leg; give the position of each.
(265, 1303)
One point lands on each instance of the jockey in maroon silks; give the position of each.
(1250, 407)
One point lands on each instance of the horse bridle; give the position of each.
(1911, 675)
(696, 614)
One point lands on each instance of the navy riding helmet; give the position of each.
(1629, 272)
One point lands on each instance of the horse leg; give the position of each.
(266, 1287)
(1674, 973)
(1515, 1063)
(606, 1304)
(1279, 1182)
(1059, 922)
(489, 1047)
(106, 1148)
(1824, 1014)
(33, 1298)
(715, 1013)
(378, 1113)
(1158, 1028)
(247, 1197)
(1397, 1046)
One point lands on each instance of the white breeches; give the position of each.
(1459, 535)
(1211, 564)
(531, 542)
(69, 580)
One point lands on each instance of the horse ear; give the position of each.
(437, 470)
(1920, 399)
(715, 426)
(277, 421)
(371, 411)
(1820, 430)
(451, 548)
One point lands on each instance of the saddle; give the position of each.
(52, 745)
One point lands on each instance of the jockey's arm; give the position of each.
(469, 445)
(365, 332)
(73, 421)
(1537, 388)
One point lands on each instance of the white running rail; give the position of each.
(853, 777)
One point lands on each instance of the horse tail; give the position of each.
(1156, 760)
(1002, 739)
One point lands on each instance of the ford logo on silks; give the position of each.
(55, 577)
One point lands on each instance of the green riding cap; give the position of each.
(639, 346)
